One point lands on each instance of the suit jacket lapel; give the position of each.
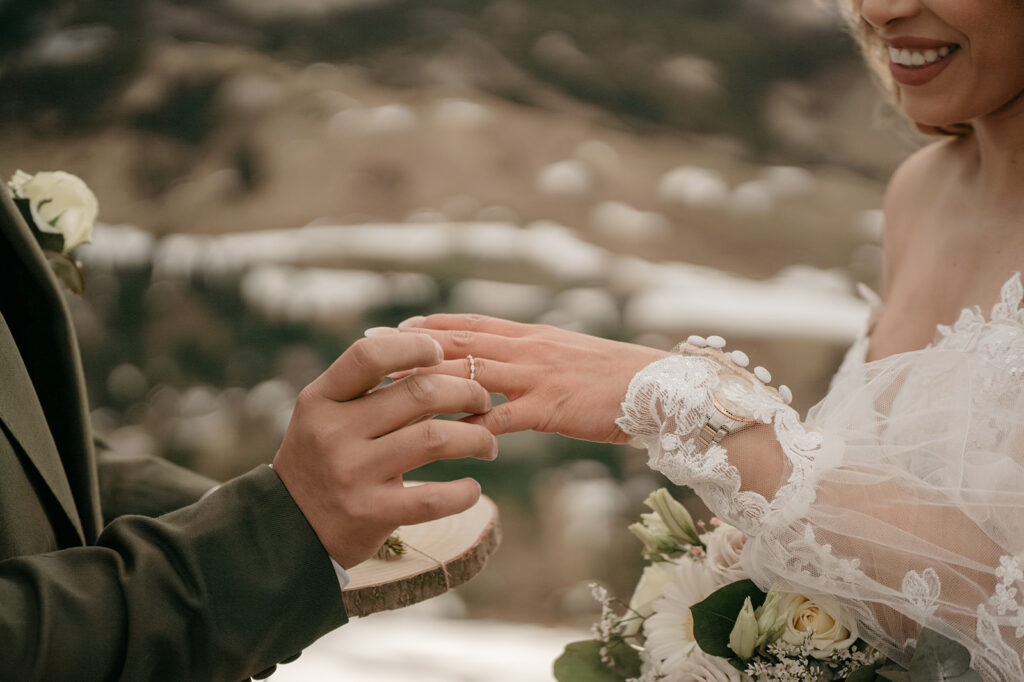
(23, 416)
(40, 328)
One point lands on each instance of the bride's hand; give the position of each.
(555, 380)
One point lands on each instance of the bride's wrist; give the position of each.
(703, 388)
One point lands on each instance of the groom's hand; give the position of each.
(346, 447)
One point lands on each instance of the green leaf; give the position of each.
(625, 659)
(865, 673)
(581, 662)
(940, 659)
(893, 674)
(714, 617)
(67, 271)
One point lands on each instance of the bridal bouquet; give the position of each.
(695, 616)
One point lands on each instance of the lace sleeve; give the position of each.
(902, 494)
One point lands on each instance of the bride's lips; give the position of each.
(916, 61)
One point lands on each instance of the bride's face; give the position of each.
(954, 61)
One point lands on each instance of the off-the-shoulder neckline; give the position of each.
(1009, 307)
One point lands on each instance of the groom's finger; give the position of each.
(515, 415)
(367, 361)
(430, 501)
(430, 441)
(496, 377)
(418, 396)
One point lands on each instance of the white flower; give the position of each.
(60, 203)
(821, 618)
(669, 631)
(744, 635)
(725, 549)
(648, 590)
(703, 667)
(676, 519)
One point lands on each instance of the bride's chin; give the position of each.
(930, 112)
(926, 121)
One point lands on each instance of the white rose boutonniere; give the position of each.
(61, 211)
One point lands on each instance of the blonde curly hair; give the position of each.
(877, 57)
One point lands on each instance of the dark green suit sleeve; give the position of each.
(218, 590)
(141, 484)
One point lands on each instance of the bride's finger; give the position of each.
(460, 343)
(472, 323)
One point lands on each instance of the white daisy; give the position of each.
(669, 631)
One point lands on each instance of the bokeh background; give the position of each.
(275, 176)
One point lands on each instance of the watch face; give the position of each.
(730, 385)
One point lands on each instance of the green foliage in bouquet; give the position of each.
(584, 662)
(936, 659)
(715, 618)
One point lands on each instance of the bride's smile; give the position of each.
(952, 61)
(916, 61)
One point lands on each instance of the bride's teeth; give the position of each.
(905, 57)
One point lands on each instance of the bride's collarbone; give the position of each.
(930, 292)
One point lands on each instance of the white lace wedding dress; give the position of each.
(904, 488)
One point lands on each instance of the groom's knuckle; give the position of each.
(422, 389)
(365, 355)
(434, 436)
(482, 440)
(501, 418)
(308, 397)
(354, 508)
(321, 438)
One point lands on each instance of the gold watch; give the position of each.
(726, 417)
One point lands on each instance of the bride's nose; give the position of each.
(881, 13)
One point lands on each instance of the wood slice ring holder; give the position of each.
(439, 555)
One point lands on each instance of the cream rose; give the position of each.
(725, 548)
(60, 203)
(648, 590)
(804, 616)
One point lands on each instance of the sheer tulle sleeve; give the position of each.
(902, 493)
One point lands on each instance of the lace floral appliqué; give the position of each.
(670, 400)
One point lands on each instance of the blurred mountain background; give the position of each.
(274, 177)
